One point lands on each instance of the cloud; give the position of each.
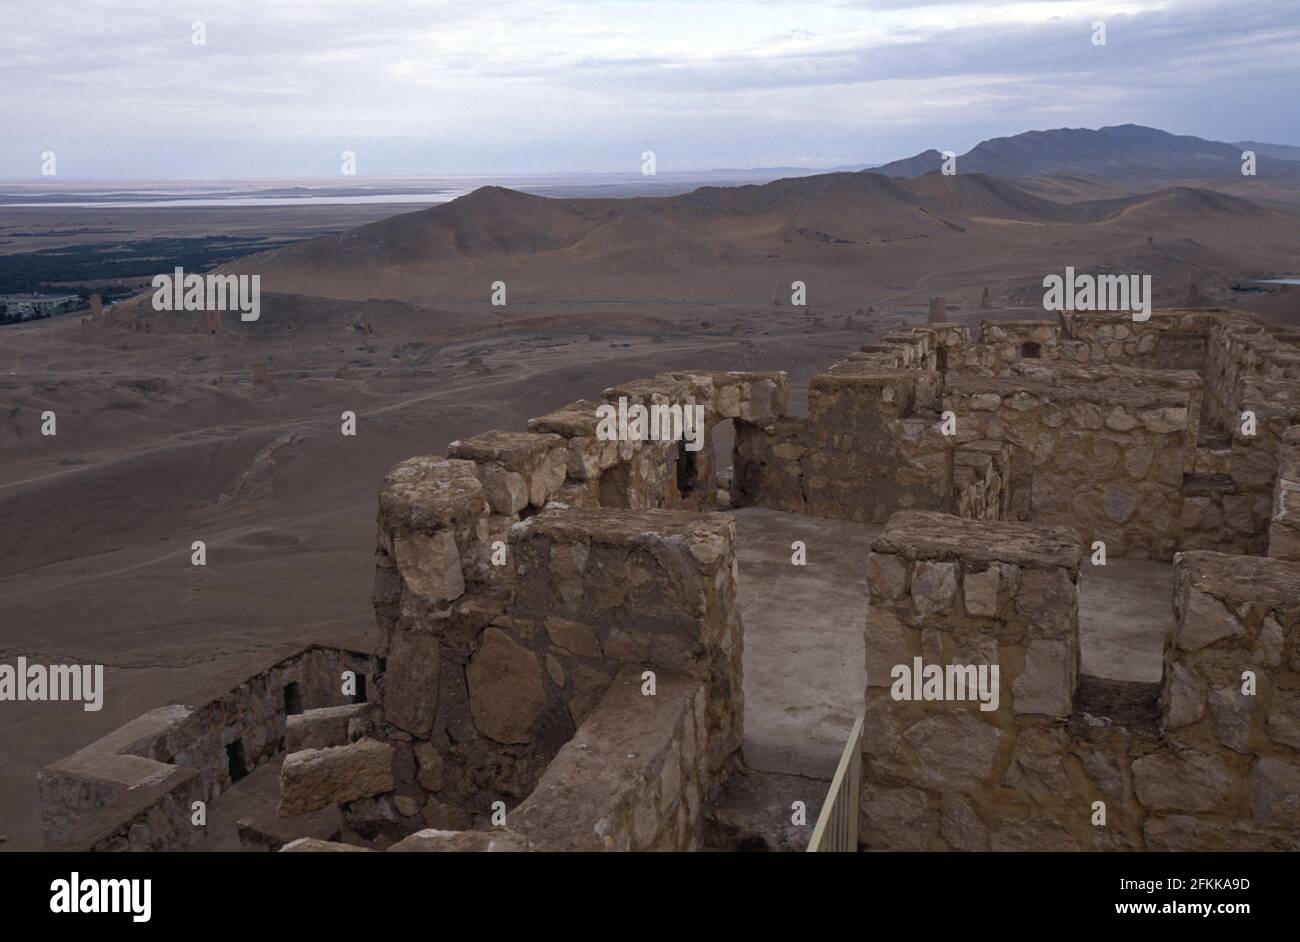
(449, 87)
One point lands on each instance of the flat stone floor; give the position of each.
(804, 655)
(1126, 610)
(805, 660)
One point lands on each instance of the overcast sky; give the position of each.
(119, 90)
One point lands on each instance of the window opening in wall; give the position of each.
(236, 761)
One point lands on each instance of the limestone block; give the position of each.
(327, 726)
(960, 826)
(886, 576)
(505, 688)
(1184, 697)
(430, 767)
(1205, 620)
(410, 681)
(1046, 685)
(1230, 715)
(981, 592)
(316, 778)
(1047, 600)
(1181, 781)
(506, 491)
(889, 643)
(898, 818)
(430, 565)
(1037, 764)
(540, 458)
(934, 585)
(430, 493)
(314, 845)
(1274, 785)
(1283, 724)
(954, 750)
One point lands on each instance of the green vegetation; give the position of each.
(62, 269)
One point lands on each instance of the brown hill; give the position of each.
(977, 195)
(458, 248)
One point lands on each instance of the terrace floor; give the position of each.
(805, 661)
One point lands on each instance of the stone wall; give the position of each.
(1090, 412)
(132, 789)
(633, 778)
(871, 443)
(948, 775)
(517, 576)
(1169, 340)
(1284, 524)
(479, 697)
(1230, 709)
(1109, 466)
(1219, 769)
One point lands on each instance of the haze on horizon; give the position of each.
(121, 92)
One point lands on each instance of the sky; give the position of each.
(281, 88)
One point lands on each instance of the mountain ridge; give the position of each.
(1116, 152)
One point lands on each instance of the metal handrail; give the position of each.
(837, 824)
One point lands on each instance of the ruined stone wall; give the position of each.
(479, 697)
(633, 778)
(872, 442)
(503, 623)
(132, 789)
(1255, 459)
(1230, 709)
(1109, 466)
(1168, 340)
(870, 445)
(943, 775)
(1219, 771)
(1011, 342)
(1284, 525)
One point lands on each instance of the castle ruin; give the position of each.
(561, 656)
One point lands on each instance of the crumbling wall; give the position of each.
(503, 623)
(1284, 525)
(1110, 467)
(1009, 342)
(132, 789)
(1230, 709)
(942, 774)
(1272, 407)
(1220, 770)
(1168, 340)
(482, 690)
(871, 443)
(633, 778)
(515, 577)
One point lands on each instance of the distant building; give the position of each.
(25, 307)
